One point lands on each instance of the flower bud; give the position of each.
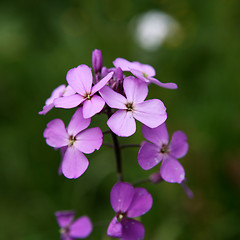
(156, 178)
(97, 60)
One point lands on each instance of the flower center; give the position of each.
(145, 75)
(71, 139)
(64, 231)
(129, 107)
(120, 216)
(164, 149)
(87, 96)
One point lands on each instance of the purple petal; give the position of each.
(62, 151)
(114, 228)
(89, 140)
(68, 101)
(149, 156)
(68, 91)
(64, 218)
(122, 63)
(141, 203)
(81, 228)
(77, 123)
(46, 109)
(113, 99)
(121, 196)
(140, 75)
(132, 230)
(64, 236)
(172, 171)
(93, 106)
(164, 85)
(57, 92)
(178, 146)
(146, 69)
(101, 83)
(158, 135)
(74, 163)
(122, 123)
(136, 91)
(151, 112)
(80, 79)
(56, 134)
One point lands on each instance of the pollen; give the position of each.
(71, 139)
(145, 75)
(129, 107)
(164, 149)
(88, 97)
(120, 217)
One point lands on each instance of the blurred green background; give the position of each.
(41, 40)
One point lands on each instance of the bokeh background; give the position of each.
(193, 43)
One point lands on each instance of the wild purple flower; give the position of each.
(71, 230)
(60, 91)
(76, 139)
(150, 112)
(128, 203)
(81, 79)
(157, 149)
(144, 72)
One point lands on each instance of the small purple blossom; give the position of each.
(150, 112)
(157, 149)
(71, 230)
(75, 140)
(81, 80)
(60, 91)
(128, 203)
(144, 72)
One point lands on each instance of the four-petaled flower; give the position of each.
(81, 80)
(71, 230)
(128, 203)
(150, 112)
(157, 149)
(144, 72)
(76, 140)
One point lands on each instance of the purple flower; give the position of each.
(151, 112)
(128, 203)
(81, 79)
(157, 149)
(60, 91)
(76, 140)
(70, 230)
(144, 72)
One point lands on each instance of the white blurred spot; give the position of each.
(153, 28)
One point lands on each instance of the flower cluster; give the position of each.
(120, 93)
